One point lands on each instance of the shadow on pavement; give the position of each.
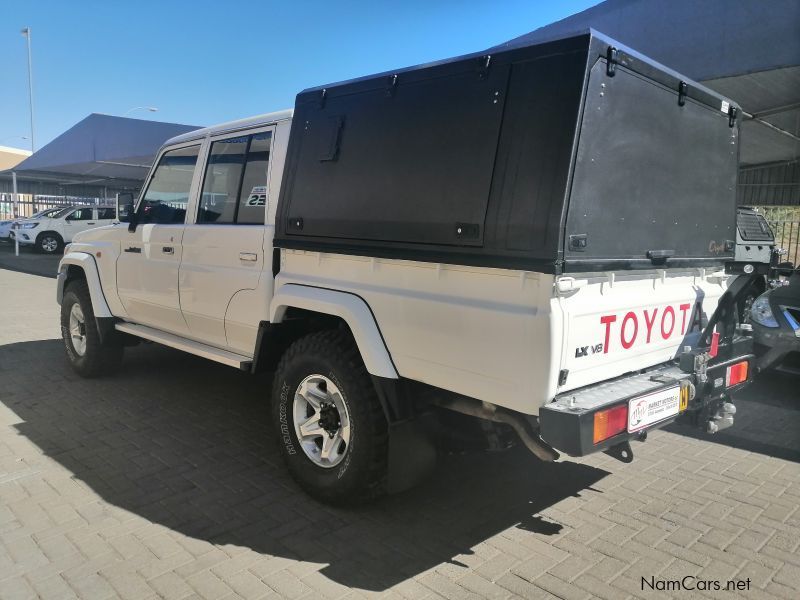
(186, 443)
(767, 418)
(28, 261)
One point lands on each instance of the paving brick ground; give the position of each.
(163, 481)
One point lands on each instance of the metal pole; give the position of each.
(16, 210)
(27, 33)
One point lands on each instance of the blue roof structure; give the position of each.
(747, 50)
(101, 149)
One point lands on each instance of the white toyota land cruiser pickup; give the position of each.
(535, 237)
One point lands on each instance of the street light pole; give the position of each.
(26, 31)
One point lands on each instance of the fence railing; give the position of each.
(787, 236)
(29, 204)
(787, 233)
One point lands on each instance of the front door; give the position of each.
(223, 250)
(147, 268)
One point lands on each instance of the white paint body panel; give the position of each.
(212, 273)
(147, 281)
(649, 317)
(500, 335)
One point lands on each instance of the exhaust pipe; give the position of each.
(490, 412)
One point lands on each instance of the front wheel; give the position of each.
(49, 242)
(331, 428)
(88, 355)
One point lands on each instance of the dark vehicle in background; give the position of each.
(775, 318)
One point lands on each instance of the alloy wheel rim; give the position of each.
(49, 244)
(321, 421)
(77, 329)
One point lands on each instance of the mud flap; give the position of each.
(412, 454)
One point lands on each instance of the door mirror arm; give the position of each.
(133, 220)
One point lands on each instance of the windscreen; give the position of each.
(652, 178)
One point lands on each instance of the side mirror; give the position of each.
(126, 210)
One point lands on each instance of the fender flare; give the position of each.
(87, 264)
(349, 307)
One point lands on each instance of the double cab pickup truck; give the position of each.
(534, 237)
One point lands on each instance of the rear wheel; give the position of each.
(49, 242)
(88, 354)
(331, 428)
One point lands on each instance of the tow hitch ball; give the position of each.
(722, 419)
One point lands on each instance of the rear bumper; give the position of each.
(568, 423)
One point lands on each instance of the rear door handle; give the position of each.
(248, 256)
(168, 250)
(134, 249)
(91, 223)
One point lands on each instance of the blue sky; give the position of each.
(202, 62)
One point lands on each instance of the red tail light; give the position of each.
(736, 374)
(609, 422)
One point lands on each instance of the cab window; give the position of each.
(167, 195)
(82, 214)
(235, 182)
(105, 213)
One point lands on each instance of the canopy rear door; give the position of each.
(651, 178)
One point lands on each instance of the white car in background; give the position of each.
(7, 226)
(51, 233)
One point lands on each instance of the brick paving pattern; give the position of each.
(164, 482)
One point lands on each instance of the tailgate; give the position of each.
(621, 322)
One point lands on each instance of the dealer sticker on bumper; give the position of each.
(653, 407)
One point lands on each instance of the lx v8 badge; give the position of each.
(584, 350)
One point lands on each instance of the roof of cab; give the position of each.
(247, 123)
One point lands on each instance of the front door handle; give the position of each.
(248, 256)
(91, 223)
(168, 250)
(134, 249)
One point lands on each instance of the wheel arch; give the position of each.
(346, 307)
(80, 265)
(46, 231)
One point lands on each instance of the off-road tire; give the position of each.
(45, 248)
(100, 357)
(361, 476)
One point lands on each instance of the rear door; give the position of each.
(223, 246)
(654, 175)
(79, 220)
(105, 215)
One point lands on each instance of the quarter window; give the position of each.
(235, 182)
(168, 193)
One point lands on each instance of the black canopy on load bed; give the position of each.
(573, 155)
